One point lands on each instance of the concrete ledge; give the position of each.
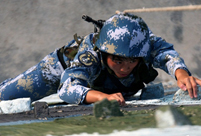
(15, 106)
(182, 96)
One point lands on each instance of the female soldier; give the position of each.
(113, 64)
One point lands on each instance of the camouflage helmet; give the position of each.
(124, 35)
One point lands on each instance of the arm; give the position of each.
(75, 91)
(74, 85)
(166, 58)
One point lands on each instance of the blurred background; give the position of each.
(31, 29)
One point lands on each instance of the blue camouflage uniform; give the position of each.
(72, 83)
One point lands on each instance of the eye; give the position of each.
(117, 61)
(134, 61)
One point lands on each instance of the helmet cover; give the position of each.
(124, 35)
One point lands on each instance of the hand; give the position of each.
(118, 97)
(186, 82)
(94, 96)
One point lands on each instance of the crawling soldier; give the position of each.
(113, 63)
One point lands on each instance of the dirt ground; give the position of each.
(61, 111)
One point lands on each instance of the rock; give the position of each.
(154, 91)
(15, 106)
(106, 108)
(169, 116)
(41, 110)
(182, 95)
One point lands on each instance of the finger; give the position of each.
(119, 100)
(194, 87)
(121, 103)
(198, 81)
(189, 88)
(182, 86)
(118, 97)
(119, 94)
(115, 97)
(122, 98)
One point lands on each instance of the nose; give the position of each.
(125, 67)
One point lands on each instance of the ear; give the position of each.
(94, 40)
(95, 37)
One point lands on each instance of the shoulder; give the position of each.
(85, 66)
(86, 43)
(89, 58)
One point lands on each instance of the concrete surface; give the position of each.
(181, 95)
(32, 29)
(15, 106)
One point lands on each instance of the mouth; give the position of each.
(123, 75)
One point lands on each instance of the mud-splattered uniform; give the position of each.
(73, 83)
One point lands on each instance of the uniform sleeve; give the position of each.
(75, 79)
(165, 57)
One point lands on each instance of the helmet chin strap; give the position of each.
(104, 63)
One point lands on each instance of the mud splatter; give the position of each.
(26, 84)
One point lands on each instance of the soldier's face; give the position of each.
(121, 67)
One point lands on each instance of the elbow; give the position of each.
(68, 97)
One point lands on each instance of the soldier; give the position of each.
(113, 63)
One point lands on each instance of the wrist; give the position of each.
(181, 73)
(94, 96)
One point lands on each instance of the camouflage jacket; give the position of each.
(80, 73)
